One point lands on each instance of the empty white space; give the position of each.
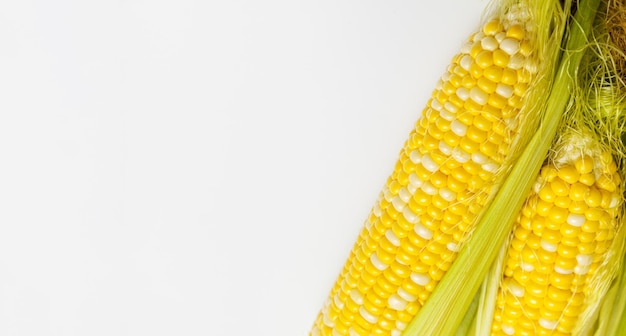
(200, 167)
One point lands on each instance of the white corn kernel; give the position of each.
(584, 259)
(369, 317)
(376, 210)
(504, 90)
(396, 302)
(460, 155)
(478, 36)
(548, 324)
(404, 194)
(387, 194)
(479, 158)
(550, 247)
(447, 194)
(406, 295)
(447, 115)
(436, 105)
(515, 288)
(509, 46)
(381, 266)
(410, 216)
(445, 148)
(429, 163)
(393, 239)
(576, 220)
(491, 167)
(500, 36)
(415, 157)
(466, 62)
(439, 85)
(479, 96)
(415, 181)
(423, 231)
(507, 329)
(398, 204)
(420, 279)
(337, 300)
(448, 106)
(327, 320)
(516, 62)
(581, 270)
(429, 189)
(561, 270)
(458, 128)
(489, 43)
(356, 296)
(462, 93)
(527, 267)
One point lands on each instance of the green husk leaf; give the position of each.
(613, 313)
(467, 324)
(488, 294)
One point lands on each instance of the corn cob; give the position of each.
(444, 177)
(562, 235)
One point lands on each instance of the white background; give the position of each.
(187, 167)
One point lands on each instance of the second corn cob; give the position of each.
(561, 238)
